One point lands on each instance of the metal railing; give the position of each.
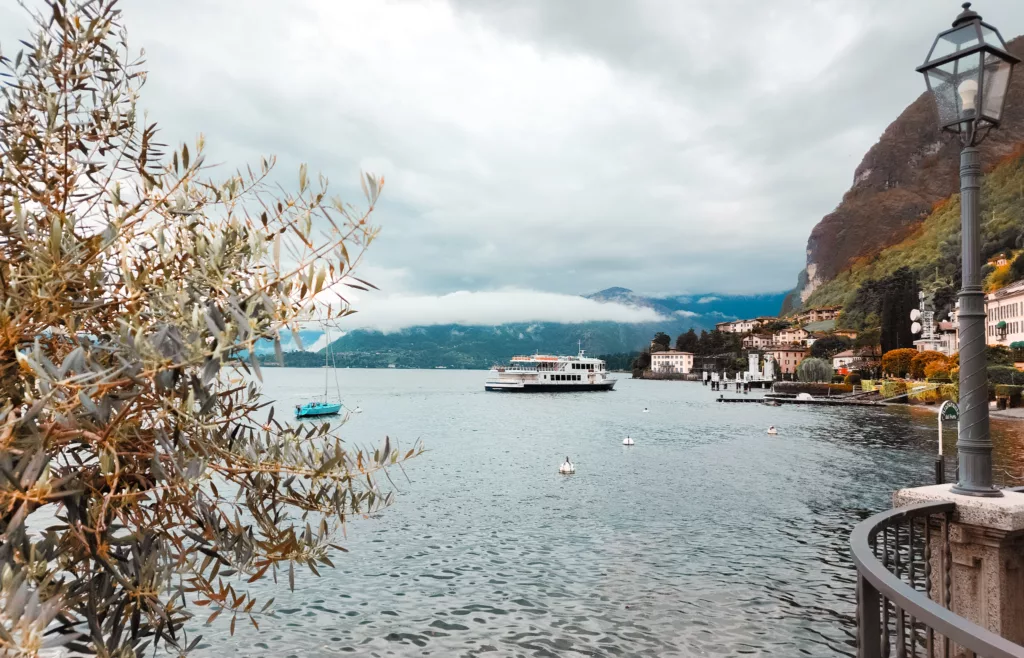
(904, 564)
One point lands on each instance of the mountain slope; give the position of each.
(899, 182)
(932, 251)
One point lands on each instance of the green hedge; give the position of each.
(1005, 375)
(853, 379)
(1012, 393)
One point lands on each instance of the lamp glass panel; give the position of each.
(946, 99)
(997, 80)
(991, 36)
(955, 41)
(967, 70)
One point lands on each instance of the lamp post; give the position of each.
(968, 72)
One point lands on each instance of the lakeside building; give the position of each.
(813, 336)
(849, 360)
(1005, 310)
(787, 357)
(949, 332)
(672, 361)
(758, 341)
(738, 326)
(820, 314)
(792, 336)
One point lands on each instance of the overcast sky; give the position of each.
(562, 146)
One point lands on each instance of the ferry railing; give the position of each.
(904, 588)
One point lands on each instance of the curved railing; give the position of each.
(904, 563)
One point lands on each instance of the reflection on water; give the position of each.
(707, 538)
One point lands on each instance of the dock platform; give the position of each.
(833, 402)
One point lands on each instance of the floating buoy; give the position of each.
(627, 441)
(645, 409)
(772, 430)
(567, 467)
(357, 410)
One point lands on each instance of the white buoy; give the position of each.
(772, 430)
(567, 467)
(627, 441)
(645, 409)
(357, 410)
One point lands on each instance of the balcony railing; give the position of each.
(904, 562)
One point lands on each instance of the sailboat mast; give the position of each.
(327, 359)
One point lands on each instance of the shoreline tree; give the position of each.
(813, 369)
(142, 473)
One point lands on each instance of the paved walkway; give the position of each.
(1013, 414)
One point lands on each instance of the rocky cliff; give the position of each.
(898, 183)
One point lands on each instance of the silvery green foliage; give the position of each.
(142, 474)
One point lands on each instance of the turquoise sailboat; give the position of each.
(322, 405)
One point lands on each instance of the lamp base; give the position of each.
(980, 492)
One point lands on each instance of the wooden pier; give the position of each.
(827, 402)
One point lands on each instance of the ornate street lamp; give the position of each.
(968, 72)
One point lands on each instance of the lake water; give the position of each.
(706, 538)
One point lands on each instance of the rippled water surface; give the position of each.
(706, 538)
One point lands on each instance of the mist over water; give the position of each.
(706, 538)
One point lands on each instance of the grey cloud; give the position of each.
(563, 146)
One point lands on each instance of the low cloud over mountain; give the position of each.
(394, 312)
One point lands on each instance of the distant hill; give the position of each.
(457, 346)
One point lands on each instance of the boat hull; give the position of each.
(308, 411)
(547, 388)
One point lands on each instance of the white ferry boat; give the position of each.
(541, 373)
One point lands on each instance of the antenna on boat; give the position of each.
(580, 343)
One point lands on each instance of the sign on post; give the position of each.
(948, 411)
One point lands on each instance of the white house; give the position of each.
(847, 359)
(1005, 310)
(743, 326)
(672, 361)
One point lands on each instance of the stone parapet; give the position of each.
(987, 551)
